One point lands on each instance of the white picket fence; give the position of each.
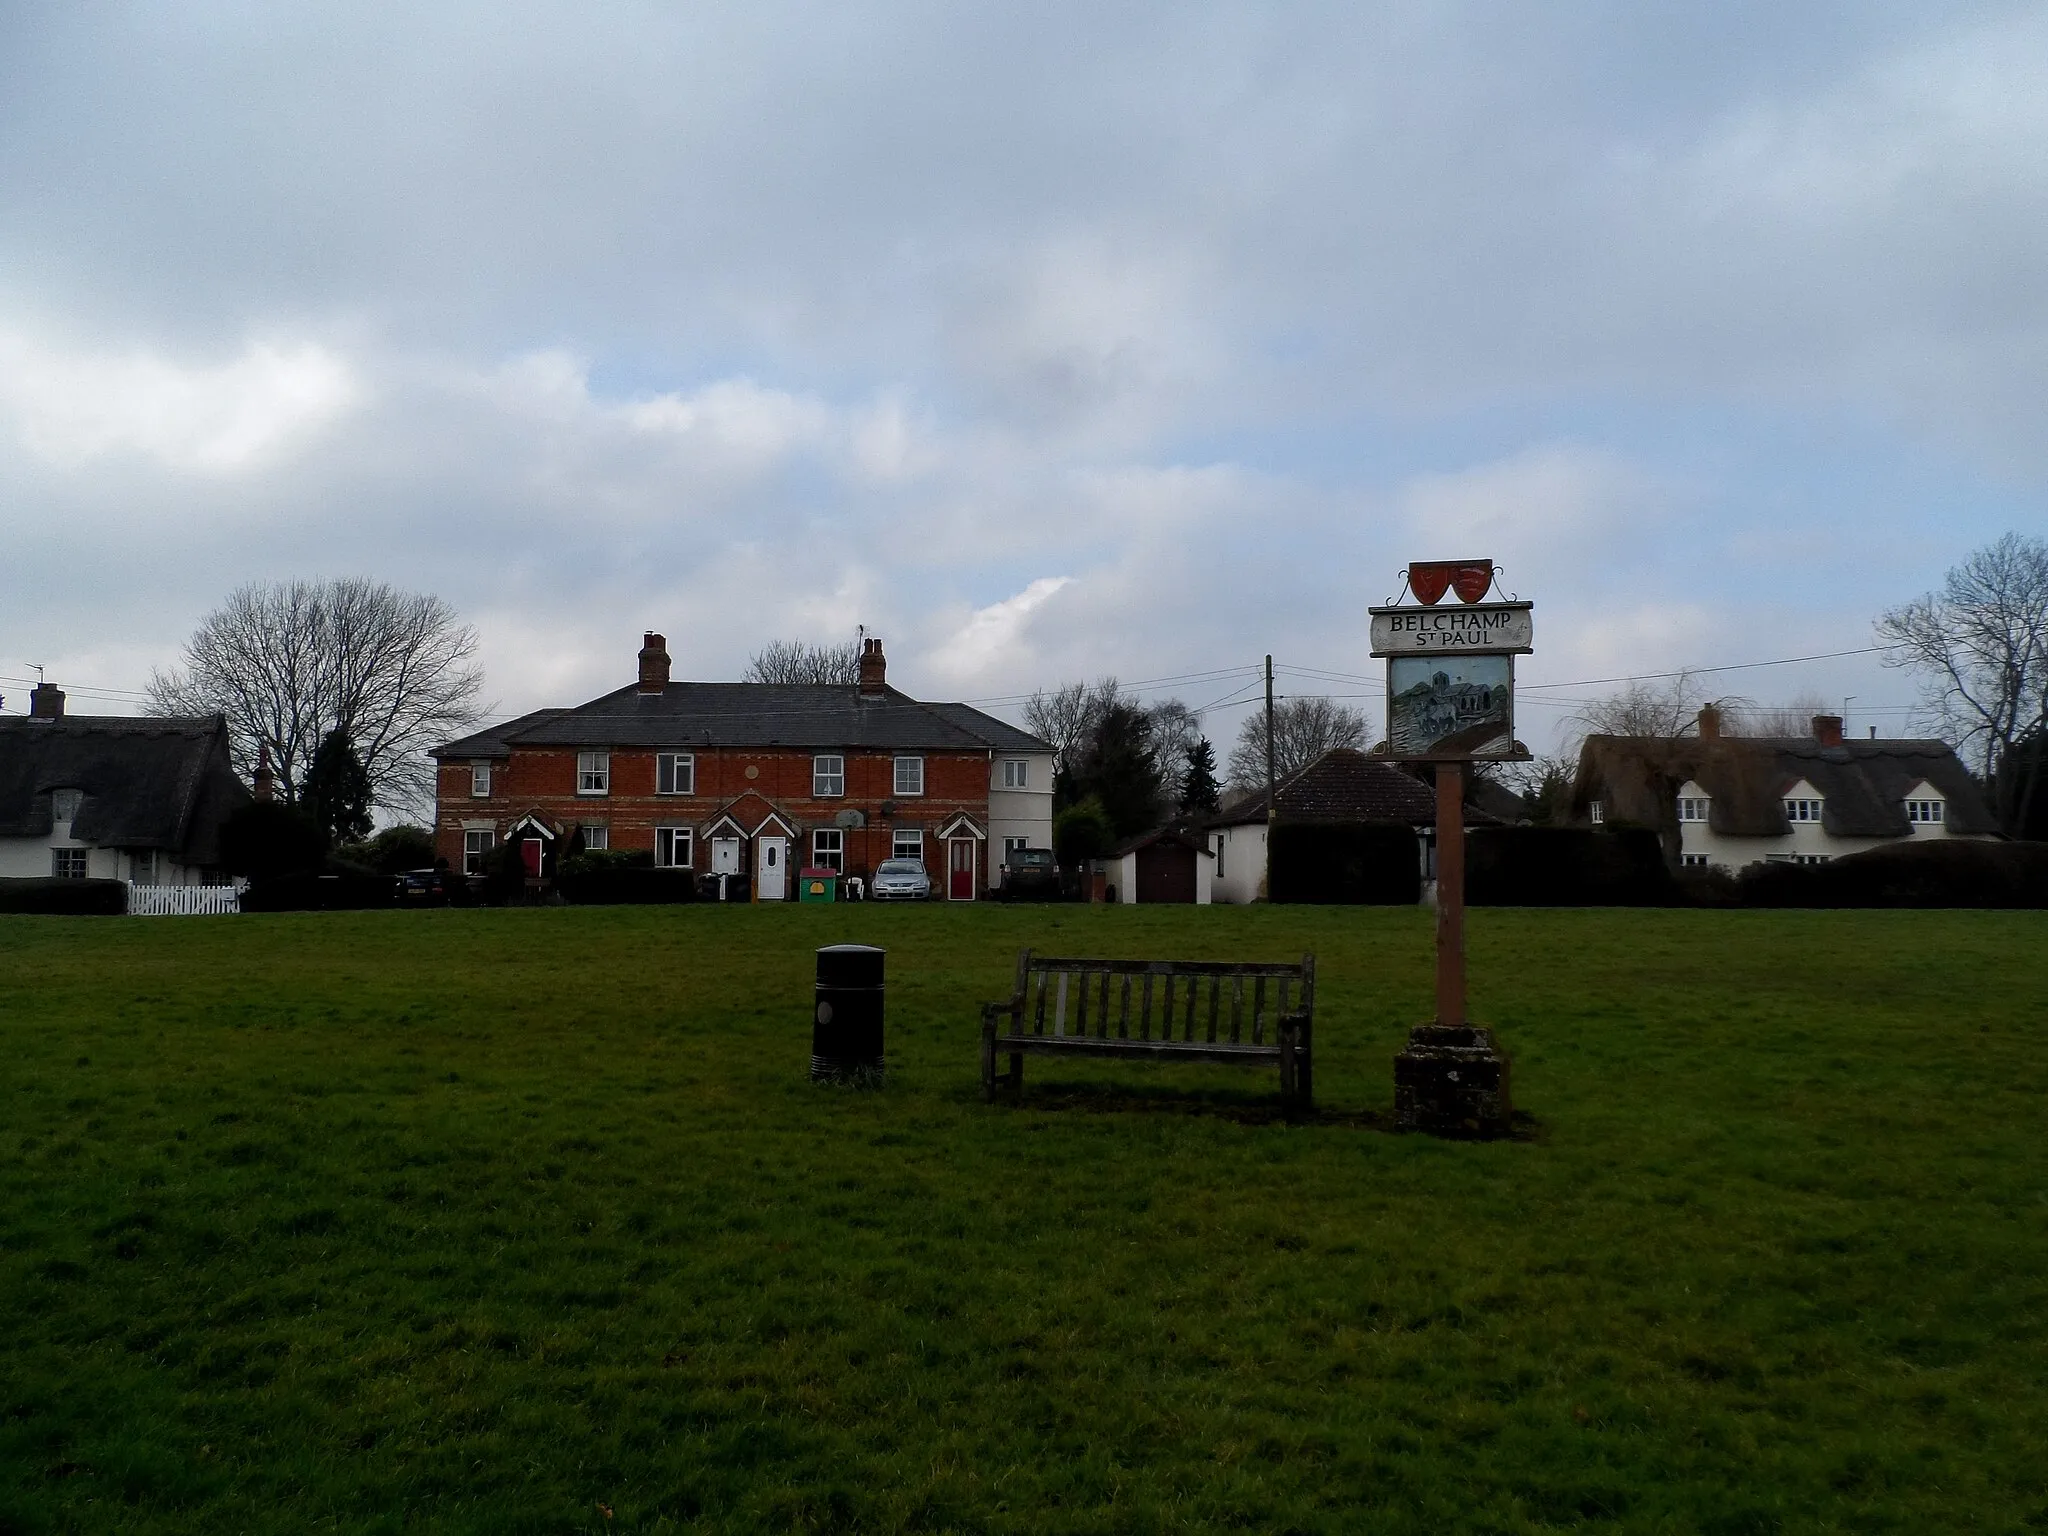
(182, 900)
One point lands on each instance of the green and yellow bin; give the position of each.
(818, 885)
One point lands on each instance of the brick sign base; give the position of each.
(1452, 1082)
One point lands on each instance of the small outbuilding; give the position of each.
(1168, 864)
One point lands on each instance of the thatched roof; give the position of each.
(1863, 784)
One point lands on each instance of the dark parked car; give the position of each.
(424, 887)
(1030, 874)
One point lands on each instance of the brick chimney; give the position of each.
(263, 782)
(654, 663)
(1827, 730)
(873, 670)
(1710, 722)
(46, 702)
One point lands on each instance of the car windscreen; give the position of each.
(899, 867)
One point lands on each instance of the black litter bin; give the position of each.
(846, 1023)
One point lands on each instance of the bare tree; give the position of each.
(1743, 717)
(290, 664)
(1067, 717)
(1980, 649)
(1662, 708)
(1304, 728)
(798, 661)
(1175, 730)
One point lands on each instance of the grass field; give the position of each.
(530, 1221)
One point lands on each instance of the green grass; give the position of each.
(492, 1221)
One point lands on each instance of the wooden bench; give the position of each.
(1242, 1014)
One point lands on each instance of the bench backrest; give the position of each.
(1188, 1000)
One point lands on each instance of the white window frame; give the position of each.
(832, 856)
(480, 780)
(476, 847)
(1693, 807)
(1596, 812)
(596, 835)
(70, 863)
(593, 773)
(1692, 861)
(667, 840)
(1801, 809)
(1221, 839)
(1016, 773)
(828, 782)
(910, 770)
(1014, 845)
(675, 773)
(915, 835)
(1927, 813)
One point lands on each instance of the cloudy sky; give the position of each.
(1044, 340)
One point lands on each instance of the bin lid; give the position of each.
(850, 965)
(818, 874)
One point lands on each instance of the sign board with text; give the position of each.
(1483, 627)
(1451, 666)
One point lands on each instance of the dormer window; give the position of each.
(1802, 810)
(1926, 812)
(64, 804)
(1693, 807)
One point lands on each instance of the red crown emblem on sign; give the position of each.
(1429, 579)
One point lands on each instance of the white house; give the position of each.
(113, 797)
(1727, 802)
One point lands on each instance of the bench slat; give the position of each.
(1089, 1045)
(1123, 1011)
(1145, 1010)
(1259, 1011)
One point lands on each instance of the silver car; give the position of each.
(900, 880)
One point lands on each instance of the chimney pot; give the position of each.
(654, 663)
(873, 669)
(1710, 722)
(46, 702)
(1827, 730)
(263, 783)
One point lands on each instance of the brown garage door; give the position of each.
(1166, 872)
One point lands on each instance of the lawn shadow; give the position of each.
(1057, 1097)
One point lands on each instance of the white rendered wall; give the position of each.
(1025, 813)
(1244, 864)
(1806, 838)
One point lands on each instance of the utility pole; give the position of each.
(1272, 810)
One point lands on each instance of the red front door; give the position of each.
(960, 862)
(529, 855)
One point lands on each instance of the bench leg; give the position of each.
(1017, 1075)
(1304, 1067)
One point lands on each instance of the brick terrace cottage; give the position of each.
(751, 778)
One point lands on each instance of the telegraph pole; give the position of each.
(1272, 809)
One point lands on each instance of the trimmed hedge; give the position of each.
(1338, 864)
(626, 886)
(1566, 867)
(1951, 872)
(69, 898)
(314, 892)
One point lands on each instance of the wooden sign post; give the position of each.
(1450, 702)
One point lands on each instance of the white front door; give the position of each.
(774, 855)
(725, 855)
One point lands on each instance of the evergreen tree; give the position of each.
(337, 791)
(1121, 770)
(1198, 790)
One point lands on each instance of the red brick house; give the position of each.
(751, 779)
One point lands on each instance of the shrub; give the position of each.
(1566, 867)
(311, 891)
(626, 884)
(1950, 872)
(71, 898)
(392, 851)
(1369, 864)
(1082, 832)
(267, 838)
(590, 861)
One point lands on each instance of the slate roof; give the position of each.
(1862, 784)
(1345, 785)
(1181, 836)
(821, 716)
(145, 782)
